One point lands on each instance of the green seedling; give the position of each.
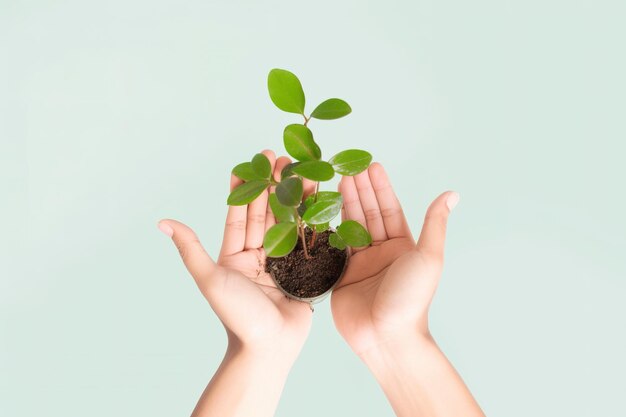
(293, 212)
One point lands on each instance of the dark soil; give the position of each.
(308, 278)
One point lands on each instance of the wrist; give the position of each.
(418, 379)
(248, 382)
(260, 356)
(397, 348)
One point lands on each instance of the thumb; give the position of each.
(433, 236)
(196, 260)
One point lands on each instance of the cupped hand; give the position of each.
(254, 312)
(388, 286)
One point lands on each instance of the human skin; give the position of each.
(265, 329)
(381, 305)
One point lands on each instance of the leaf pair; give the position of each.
(256, 175)
(281, 238)
(299, 143)
(287, 94)
(348, 163)
(316, 212)
(259, 168)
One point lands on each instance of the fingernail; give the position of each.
(166, 228)
(453, 200)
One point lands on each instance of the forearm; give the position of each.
(247, 383)
(418, 379)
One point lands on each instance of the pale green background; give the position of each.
(115, 114)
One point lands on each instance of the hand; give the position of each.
(266, 330)
(389, 285)
(381, 305)
(253, 311)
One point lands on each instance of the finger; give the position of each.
(281, 163)
(308, 187)
(433, 237)
(196, 260)
(395, 221)
(371, 210)
(351, 202)
(235, 227)
(257, 210)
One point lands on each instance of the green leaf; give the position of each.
(282, 213)
(319, 228)
(246, 172)
(322, 211)
(333, 108)
(280, 239)
(286, 91)
(261, 165)
(288, 170)
(355, 235)
(259, 169)
(351, 162)
(299, 143)
(336, 241)
(289, 192)
(322, 195)
(315, 170)
(247, 192)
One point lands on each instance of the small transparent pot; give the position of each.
(317, 298)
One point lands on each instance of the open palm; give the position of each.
(237, 287)
(389, 285)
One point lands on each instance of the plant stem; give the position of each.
(306, 252)
(317, 188)
(301, 233)
(306, 119)
(313, 237)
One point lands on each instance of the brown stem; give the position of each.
(317, 190)
(313, 238)
(306, 252)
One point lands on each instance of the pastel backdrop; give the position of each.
(116, 114)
